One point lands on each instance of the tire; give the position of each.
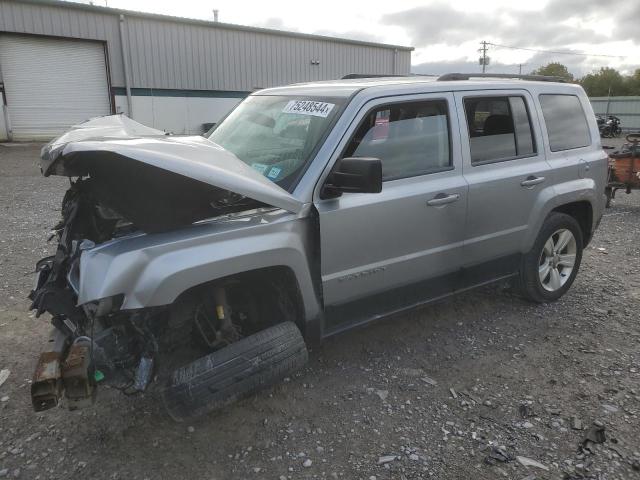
(244, 367)
(543, 254)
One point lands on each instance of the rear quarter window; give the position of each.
(566, 122)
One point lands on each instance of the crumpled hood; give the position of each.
(193, 157)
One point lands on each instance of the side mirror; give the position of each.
(354, 175)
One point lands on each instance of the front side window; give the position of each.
(410, 138)
(566, 123)
(499, 128)
(277, 135)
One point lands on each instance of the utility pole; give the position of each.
(520, 65)
(484, 60)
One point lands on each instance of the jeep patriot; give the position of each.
(208, 266)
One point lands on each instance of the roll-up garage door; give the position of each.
(52, 84)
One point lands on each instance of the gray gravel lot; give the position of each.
(462, 389)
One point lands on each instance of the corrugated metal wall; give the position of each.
(198, 56)
(221, 59)
(625, 108)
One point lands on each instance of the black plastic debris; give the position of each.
(594, 435)
(526, 411)
(497, 455)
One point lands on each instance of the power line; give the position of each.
(582, 54)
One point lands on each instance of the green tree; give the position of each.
(633, 83)
(554, 69)
(604, 82)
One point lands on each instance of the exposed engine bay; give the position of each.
(101, 343)
(113, 196)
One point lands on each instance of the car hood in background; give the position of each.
(193, 157)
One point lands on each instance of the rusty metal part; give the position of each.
(624, 168)
(78, 384)
(46, 388)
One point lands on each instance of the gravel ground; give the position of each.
(470, 387)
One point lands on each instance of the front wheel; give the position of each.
(235, 371)
(551, 266)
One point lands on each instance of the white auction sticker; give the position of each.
(309, 107)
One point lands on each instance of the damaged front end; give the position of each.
(128, 181)
(93, 341)
(65, 363)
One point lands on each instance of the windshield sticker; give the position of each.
(309, 107)
(260, 167)
(274, 173)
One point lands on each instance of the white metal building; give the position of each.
(625, 108)
(62, 63)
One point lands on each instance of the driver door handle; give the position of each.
(532, 181)
(443, 199)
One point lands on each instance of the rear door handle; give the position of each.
(443, 199)
(532, 181)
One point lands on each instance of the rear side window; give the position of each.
(566, 122)
(410, 138)
(499, 128)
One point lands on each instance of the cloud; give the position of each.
(570, 8)
(459, 65)
(626, 22)
(578, 66)
(277, 23)
(438, 23)
(351, 35)
(549, 27)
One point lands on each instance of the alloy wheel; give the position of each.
(557, 260)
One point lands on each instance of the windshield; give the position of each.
(276, 135)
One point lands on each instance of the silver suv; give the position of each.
(211, 264)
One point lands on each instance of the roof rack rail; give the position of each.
(467, 76)
(351, 76)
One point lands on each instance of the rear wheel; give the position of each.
(550, 267)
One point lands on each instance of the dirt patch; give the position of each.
(465, 388)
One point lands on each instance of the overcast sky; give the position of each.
(446, 34)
